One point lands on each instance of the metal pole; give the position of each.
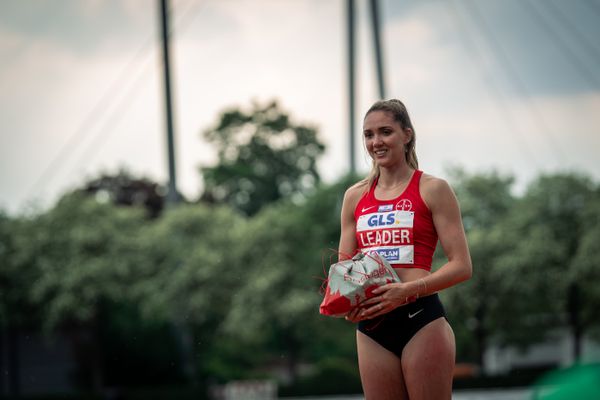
(351, 45)
(180, 329)
(172, 195)
(378, 51)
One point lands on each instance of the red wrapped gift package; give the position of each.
(352, 281)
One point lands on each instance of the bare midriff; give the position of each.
(411, 274)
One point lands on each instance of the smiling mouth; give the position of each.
(380, 153)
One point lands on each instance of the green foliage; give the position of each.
(262, 157)
(15, 273)
(82, 251)
(279, 290)
(190, 271)
(543, 234)
(321, 212)
(286, 256)
(485, 199)
(527, 251)
(124, 189)
(585, 270)
(190, 264)
(247, 288)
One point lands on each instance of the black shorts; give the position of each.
(394, 329)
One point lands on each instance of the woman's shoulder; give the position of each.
(433, 182)
(355, 192)
(434, 190)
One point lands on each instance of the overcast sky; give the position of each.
(512, 85)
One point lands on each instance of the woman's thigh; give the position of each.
(428, 362)
(380, 370)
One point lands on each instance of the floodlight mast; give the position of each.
(376, 33)
(172, 194)
(351, 89)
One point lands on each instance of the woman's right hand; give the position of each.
(354, 315)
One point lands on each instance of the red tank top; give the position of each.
(400, 229)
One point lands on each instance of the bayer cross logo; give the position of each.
(404, 205)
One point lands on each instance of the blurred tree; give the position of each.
(278, 292)
(286, 249)
(124, 189)
(262, 157)
(191, 270)
(584, 275)
(485, 199)
(17, 274)
(6, 260)
(545, 238)
(333, 341)
(85, 253)
(322, 211)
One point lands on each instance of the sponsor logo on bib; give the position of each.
(386, 207)
(404, 205)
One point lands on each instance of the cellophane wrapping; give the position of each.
(352, 281)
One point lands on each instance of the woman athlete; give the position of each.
(406, 347)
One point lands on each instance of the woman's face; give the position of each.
(384, 138)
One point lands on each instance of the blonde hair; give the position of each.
(398, 110)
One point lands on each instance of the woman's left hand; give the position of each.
(387, 298)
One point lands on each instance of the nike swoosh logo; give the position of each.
(412, 315)
(367, 208)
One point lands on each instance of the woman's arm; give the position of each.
(347, 246)
(445, 210)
